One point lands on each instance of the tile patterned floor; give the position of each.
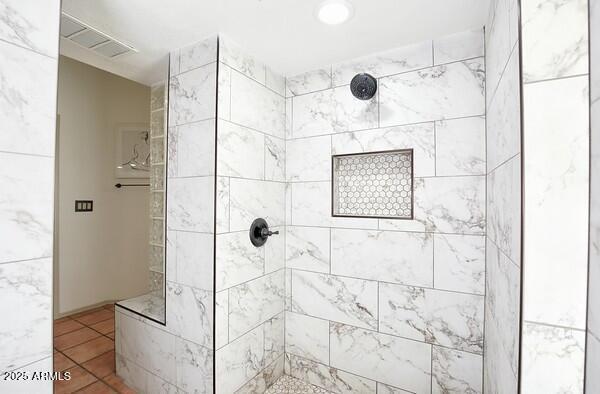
(289, 385)
(84, 346)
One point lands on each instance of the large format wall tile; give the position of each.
(190, 313)
(190, 204)
(234, 56)
(239, 361)
(347, 300)
(453, 320)
(240, 151)
(187, 143)
(198, 54)
(252, 199)
(237, 260)
(419, 137)
(460, 147)
(26, 207)
(456, 372)
(396, 361)
(395, 61)
(27, 97)
(308, 82)
(194, 263)
(459, 263)
(383, 255)
(26, 294)
(459, 46)
(307, 337)
(309, 159)
(498, 45)
(192, 95)
(275, 154)
(555, 42)
(307, 248)
(194, 367)
(442, 92)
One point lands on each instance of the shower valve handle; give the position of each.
(265, 232)
(259, 232)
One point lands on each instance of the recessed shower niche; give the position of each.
(373, 184)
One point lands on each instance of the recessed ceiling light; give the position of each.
(334, 12)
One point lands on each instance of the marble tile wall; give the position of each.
(179, 356)
(592, 378)
(28, 71)
(383, 305)
(251, 184)
(503, 240)
(556, 142)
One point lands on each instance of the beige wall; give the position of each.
(101, 255)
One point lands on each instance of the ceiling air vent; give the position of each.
(86, 36)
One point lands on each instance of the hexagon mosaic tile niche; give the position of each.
(373, 184)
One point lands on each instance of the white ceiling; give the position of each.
(283, 33)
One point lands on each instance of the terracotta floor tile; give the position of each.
(117, 383)
(79, 379)
(75, 338)
(89, 350)
(95, 316)
(97, 388)
(105, 326)
(102, 365)
(62, 362)
(111, 335)
(65, 326)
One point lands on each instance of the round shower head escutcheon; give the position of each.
(363, 86)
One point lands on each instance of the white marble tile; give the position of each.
(332, 111)
(307, 337)
(255, 106)
(192, 95)
(224, 92)
(274, 332)
(456, 372)
(504, 208)
(460, 147)
(592, 351)
(222, 206)
(350, 301)
(459, 263)
(265, 379)
(556, 175)
(391, 360)
(149, 347)
(387, 389)
(240, 151)
(190, 313)
(195, 260)
(237, 260)
(26, 293)
(195, 149)
(26, 206)
(38, 386)
(504, 117)
(553, 359)
(251, 199)
(308, 82)
(307, 248)
(27, 98)
(406, 58)
(221, 318)
(234, 56)
(445, 204)
(275, 251)
(498, 45)
(332, 379)
(502, 312)
(198, 54)
(288, 289)
(309, 159)
(383, 255)
(288, 118)
(443, 92)
(275, 159)
(555, 42)
(419, 137)
(190, 204)
(275, 81)
(239, 361)
(449, 319)
(254, 302)
(173, 63)
(311, 206)
(458, 46)
(31, 25)
(132, 374)
(194, 367)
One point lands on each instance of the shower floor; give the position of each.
(289, 385)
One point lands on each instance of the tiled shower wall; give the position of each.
(250, 185)
(503, 240)
(592, 378)
(179, 354)
(384, 305)
(28, 71)
(556, 136)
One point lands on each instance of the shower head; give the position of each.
(363, 86)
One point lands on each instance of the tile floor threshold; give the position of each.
(289, 385)
(84, 345)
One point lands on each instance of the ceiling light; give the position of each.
(334, 12)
